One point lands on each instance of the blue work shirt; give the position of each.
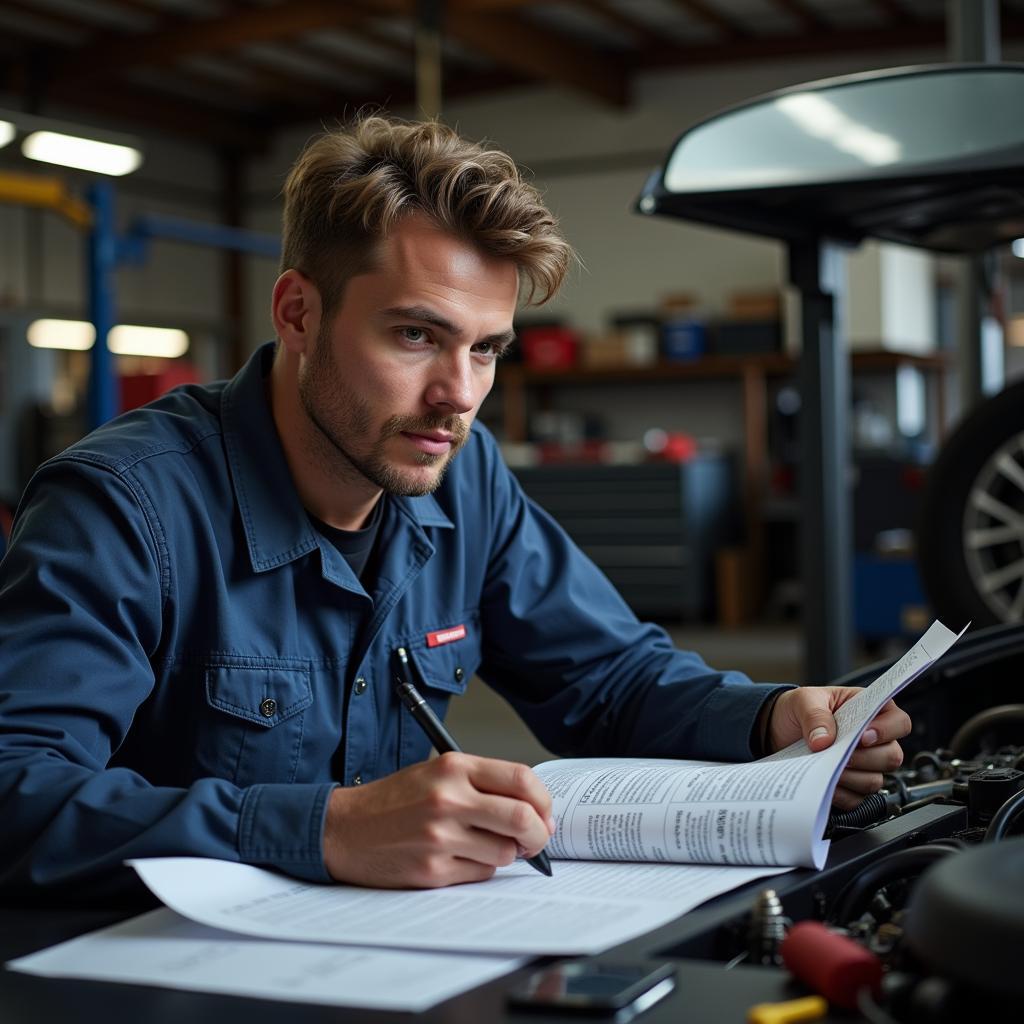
(188, 668)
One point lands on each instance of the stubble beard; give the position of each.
(341, 419)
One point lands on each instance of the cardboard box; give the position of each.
(754, 305)
(605, 351)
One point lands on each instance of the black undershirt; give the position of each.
(355, 546)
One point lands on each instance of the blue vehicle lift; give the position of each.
(106, 251)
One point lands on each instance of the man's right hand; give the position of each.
(455, 818)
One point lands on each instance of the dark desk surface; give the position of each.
(705, 993)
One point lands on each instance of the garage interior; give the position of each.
(653, 407)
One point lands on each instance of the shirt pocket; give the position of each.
(253, 723)
(438, 673)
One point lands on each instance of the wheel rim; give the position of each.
(993, 531)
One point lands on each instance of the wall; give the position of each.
(590, 162)
(41, 255)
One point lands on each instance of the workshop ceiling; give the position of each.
(233, 72)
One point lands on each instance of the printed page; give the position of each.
(771, 811)
(853, 718)
(161, 948)
(682, 812)
(585, 908)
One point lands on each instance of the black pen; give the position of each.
(441, 739)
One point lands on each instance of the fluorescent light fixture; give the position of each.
(77, 335)
(123, 340)
(1018, 248)
(164, 342)
(824, 120)
(71, 145)
(85, 154)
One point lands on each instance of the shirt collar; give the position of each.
(277, 529)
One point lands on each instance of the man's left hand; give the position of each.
(806, 713)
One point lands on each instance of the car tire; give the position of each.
(970, 539)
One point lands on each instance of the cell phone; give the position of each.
(593, 987)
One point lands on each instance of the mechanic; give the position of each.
(202, 600)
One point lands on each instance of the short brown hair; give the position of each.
(350, 186)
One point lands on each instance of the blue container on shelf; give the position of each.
(888, 599)
(684, 339)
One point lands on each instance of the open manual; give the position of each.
(772, 811)
(625, 823)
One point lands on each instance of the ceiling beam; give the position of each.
(53, 18)
(615, 16)
(112, 52)
(896, 11)
(132, 107)
(889, 37)
(528, 48)
(809, 19)
(359, 28)
(327, 62)
(138, 105)
(397, 95)
(262, 76)
(279, 82)
(512, 43)
(709, 14)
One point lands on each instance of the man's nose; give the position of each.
(454, 386)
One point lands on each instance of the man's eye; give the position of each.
(489, 348)
(415, 334)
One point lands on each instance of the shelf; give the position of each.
(751, 374)
(772, 364)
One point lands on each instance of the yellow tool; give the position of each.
(789, 1012)
(50, 193)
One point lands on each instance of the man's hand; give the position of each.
(806, 712)
(452, 819)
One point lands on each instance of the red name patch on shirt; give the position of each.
(445, 636)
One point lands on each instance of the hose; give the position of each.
(901, 864)
(977, 726)
(1007, 814)
(871, 809)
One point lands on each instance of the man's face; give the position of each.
(398, 373)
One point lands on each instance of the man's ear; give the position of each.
(295, 310)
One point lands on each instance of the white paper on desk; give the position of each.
(586, 907)
(161, 948)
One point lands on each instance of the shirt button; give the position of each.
(360, 685)
(268, 707)
(357, 780)
(458, 675)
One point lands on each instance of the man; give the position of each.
(202, 601)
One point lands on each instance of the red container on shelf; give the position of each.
(139, 388)
(550, 348)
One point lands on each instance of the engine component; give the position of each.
(966, 918)
(1004, 819)
(858, 895)
(831, 964)
(977, 727)
(767, 929)
(988, 790)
